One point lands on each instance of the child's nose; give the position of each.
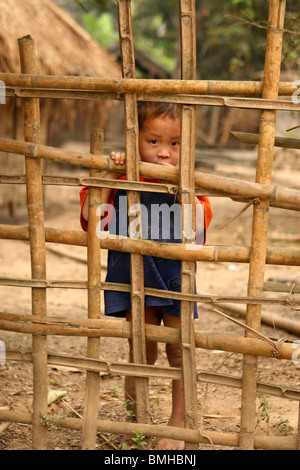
(164, 152)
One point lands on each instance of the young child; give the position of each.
(159, 143)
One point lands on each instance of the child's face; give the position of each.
(159, 141)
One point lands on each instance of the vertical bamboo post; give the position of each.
(261, 213)
(187, 195)
(37, 245)
(90, 415)
(132, 174)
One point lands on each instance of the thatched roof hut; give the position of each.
(63, 48)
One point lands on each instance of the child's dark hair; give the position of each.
(152, 110)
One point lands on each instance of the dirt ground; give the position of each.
(219, 406)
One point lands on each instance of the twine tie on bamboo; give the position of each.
(292, 302)
(275, 344)
(254, 201)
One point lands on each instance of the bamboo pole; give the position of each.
(270, 319)
(220, 253)
(226, 302)
(187, 197)
(253, 139)
(90, 415)
(223, 101)
(206, 100)
(285, 286)
(28, 324)
(221, 184)
(37, 246)
(288, 300)
(148, 86)
(217, 438)
(131, 185)
(154, 371)
(138, 340)
(260, 213)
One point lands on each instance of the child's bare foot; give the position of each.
(170, 444)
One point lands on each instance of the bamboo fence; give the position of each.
(262, 194)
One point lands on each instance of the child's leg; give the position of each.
(177, 416)
(152, 317)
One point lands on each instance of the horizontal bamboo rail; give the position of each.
(268, 318)
(208, 437)
(26, 324)
(53, 284)
(226, 302)
(141, 370)
(203, 298)
(221, 253)
(130, 185)
(206, 100)
(283, 142)
(273, 286)
(132, 85)
(226, 102)
(222, 184)
(94, 183)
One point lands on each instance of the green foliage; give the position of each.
(52, 423)
(139, 442)
(101, 28)
(282, 425)
(89, 5)
(128, 406)
(264, 407)
(231, 35)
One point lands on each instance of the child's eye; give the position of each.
(175, 144)
(154, 141)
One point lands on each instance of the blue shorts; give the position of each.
(159, 273)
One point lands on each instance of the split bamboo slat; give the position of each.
(206, 100)
(188, 92)
(261, 213)
(90, 415)
(283, 142)
(127, 185)
(37, 246)
(138, 339)
(187, 196)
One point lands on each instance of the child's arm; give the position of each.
(119, 159)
